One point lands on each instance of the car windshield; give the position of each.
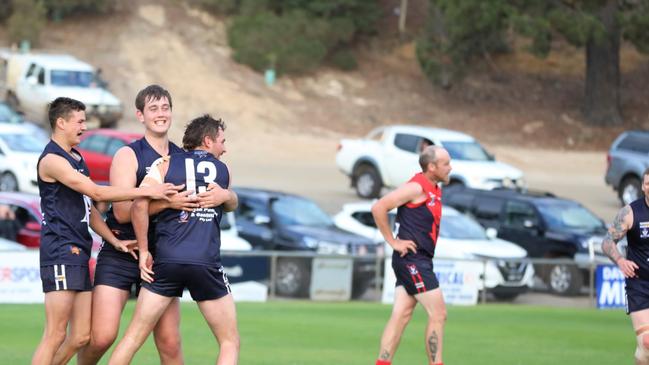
(566, 215)
(461, 227)
(23, 142)
(72, 78)
(297, 211)
(8, 115)
(468, 151)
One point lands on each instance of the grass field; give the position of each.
(298, 333)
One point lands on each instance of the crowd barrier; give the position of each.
(257, 276)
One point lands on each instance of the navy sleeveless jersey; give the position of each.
(66, 214)
(192, 237)
(420, 222)
(145, 155)
(638, 237)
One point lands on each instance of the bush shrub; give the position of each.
(26, 21)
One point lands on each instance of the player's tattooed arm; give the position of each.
(616, 232)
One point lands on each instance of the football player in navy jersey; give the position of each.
(116, 272)
(632, 222)
(188, 244)
(418, 218)
(66, 202)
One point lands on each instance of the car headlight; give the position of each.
(332, 248)
(520, 182)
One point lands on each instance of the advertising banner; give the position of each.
(459, 281)
(20, 279)
(609, 286)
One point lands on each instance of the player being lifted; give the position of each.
(188, 245)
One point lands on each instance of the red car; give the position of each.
(27, 209)
(98, 146)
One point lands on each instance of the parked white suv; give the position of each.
(507, 273)
(389, 156)
(31, 81)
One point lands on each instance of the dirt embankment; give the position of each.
(516, 105)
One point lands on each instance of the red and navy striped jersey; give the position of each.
(420, 222)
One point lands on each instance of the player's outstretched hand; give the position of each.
(127, 246)
(403, 246)
(185, 200)
(146, 266)
(214, 196)
(627, 267)
(163, 191)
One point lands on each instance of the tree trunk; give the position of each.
(602, 92)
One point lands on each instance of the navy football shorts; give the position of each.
(119, 272)
(203, 282)
(414, 272)
(637, 295)
(65, 277)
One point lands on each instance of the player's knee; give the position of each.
(439, 316)
(232, 342)
(642, 351)
(168, 346)
(102, 342)
(80, 340)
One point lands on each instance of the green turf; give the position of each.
(286, 333)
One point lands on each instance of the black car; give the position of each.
(543, 224)
(277, 221)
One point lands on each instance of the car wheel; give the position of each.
(629, 190)
(565, 279)
(368, 182)
(293, 277)
(8, 182)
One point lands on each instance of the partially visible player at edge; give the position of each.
(632, 221)
(418, 217)
(188, 245)
(66, 194)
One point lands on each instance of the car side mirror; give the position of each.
(32, 80)
(261, 220)
(491, 233)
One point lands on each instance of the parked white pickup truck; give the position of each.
(389, 156)
(31, 81)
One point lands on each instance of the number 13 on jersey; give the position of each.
(207, 168)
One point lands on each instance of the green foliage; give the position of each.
(218, 6)
(460, 32)
(344, 59)
(292, 43)
(5, 10)
(297, 36)
(58, 9)
(635, 26)
(26, 21)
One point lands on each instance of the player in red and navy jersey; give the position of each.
(188, 244)
(418, 217)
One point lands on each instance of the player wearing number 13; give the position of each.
(188, 244)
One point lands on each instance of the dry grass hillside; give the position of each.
(516, 100)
